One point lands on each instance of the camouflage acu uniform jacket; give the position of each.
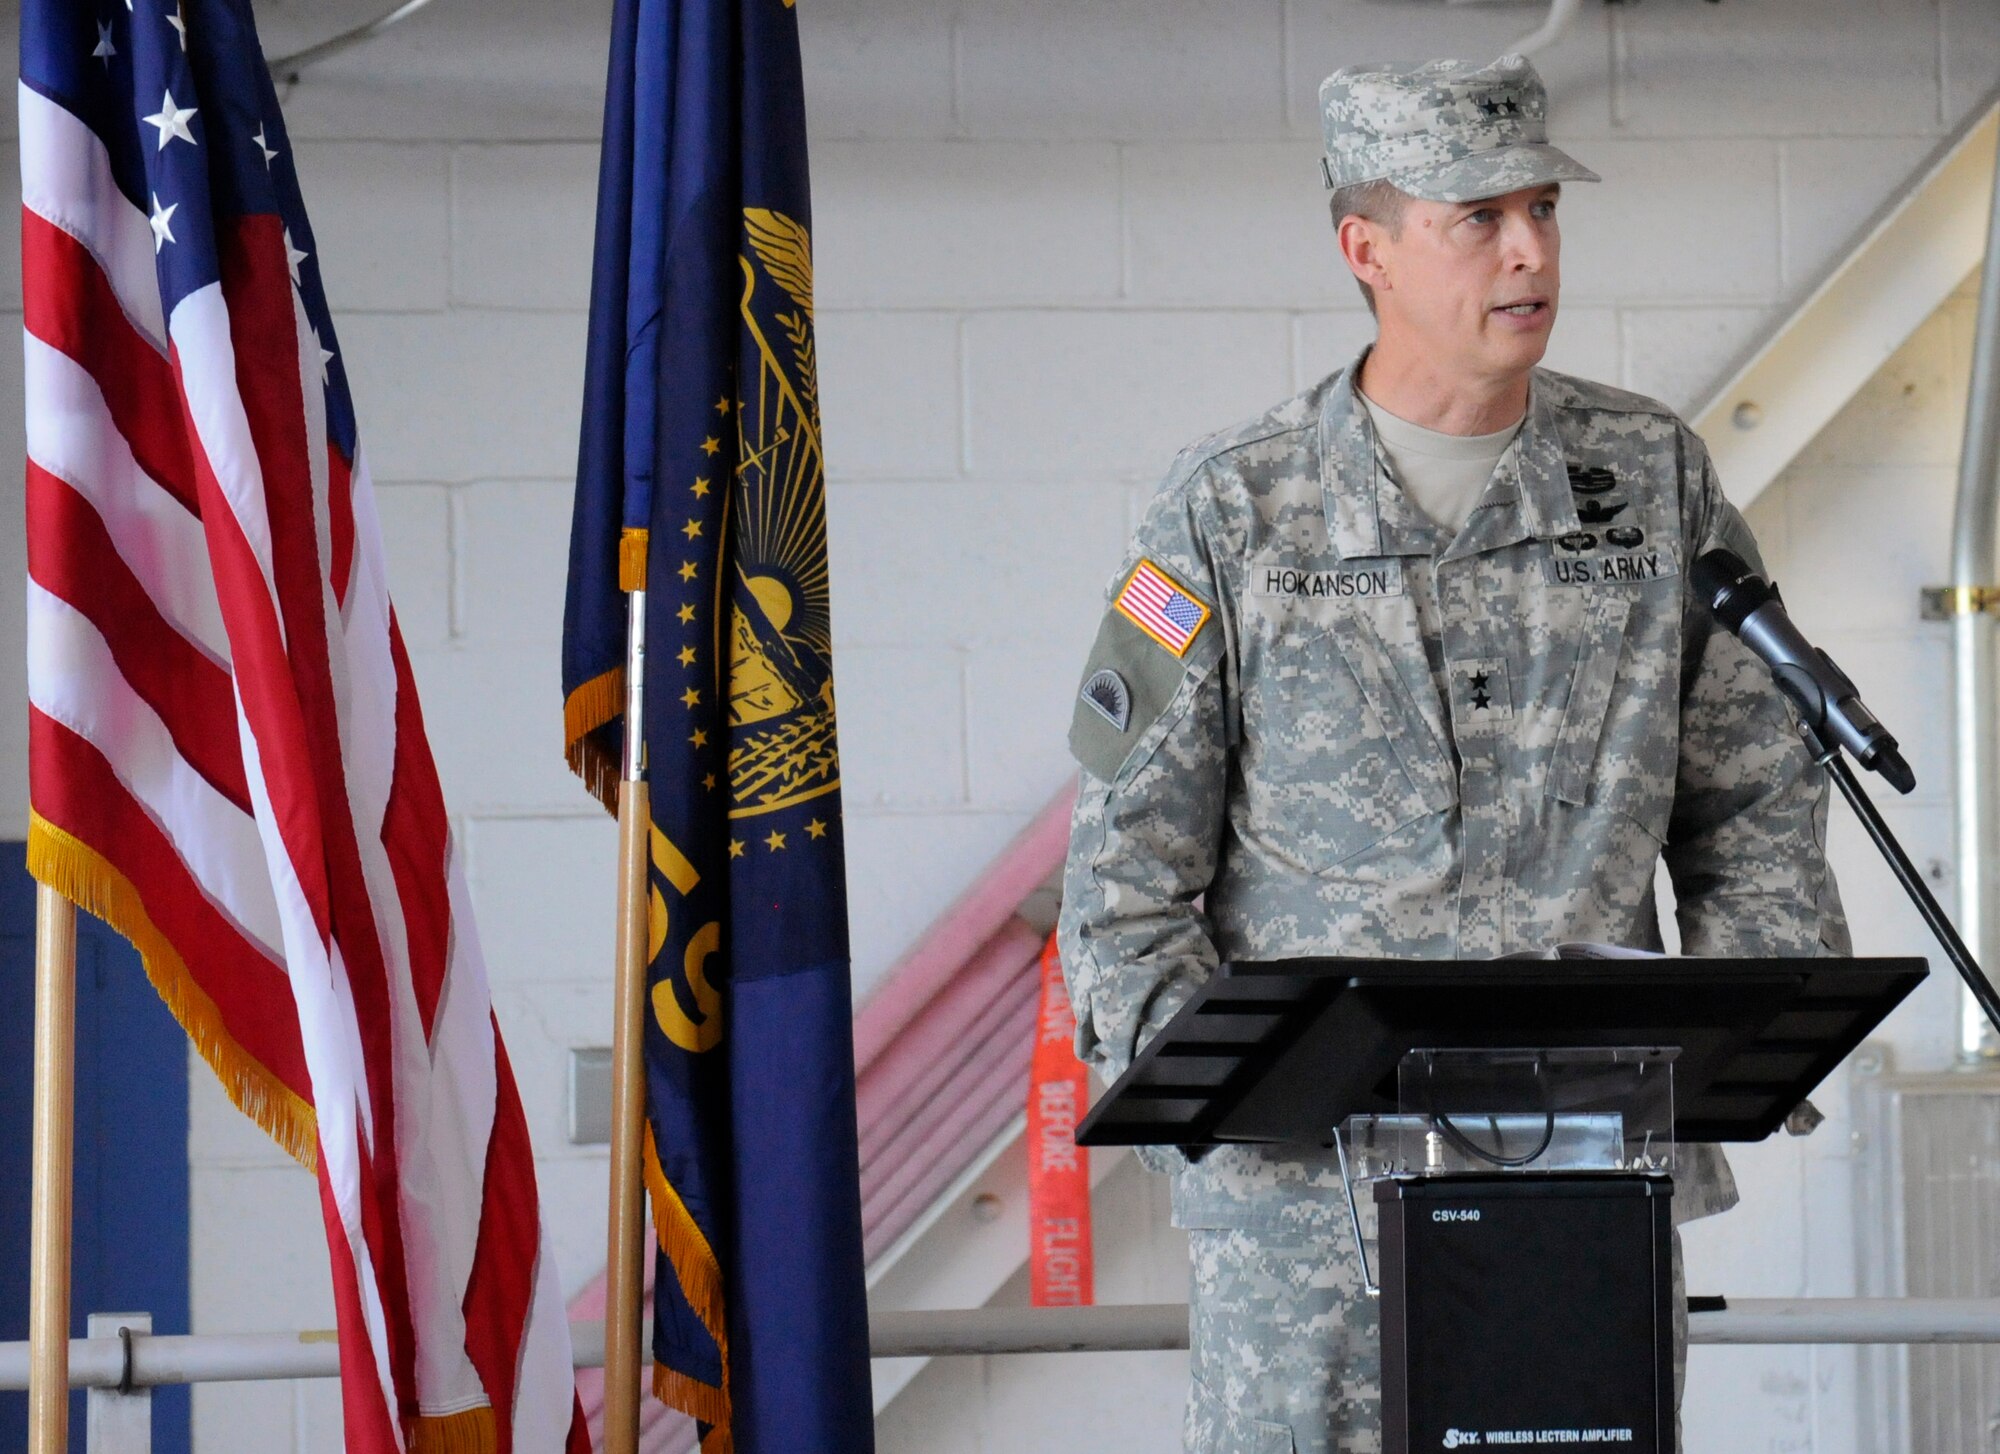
(1315, 723)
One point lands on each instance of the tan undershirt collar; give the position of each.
(1443, 474)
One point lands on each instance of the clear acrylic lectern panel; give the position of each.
(1527, 1110)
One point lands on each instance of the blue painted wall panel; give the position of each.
(131, 1227)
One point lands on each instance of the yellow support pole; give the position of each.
(52, 1179)
(624, 1264)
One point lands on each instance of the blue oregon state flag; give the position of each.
(701, 479)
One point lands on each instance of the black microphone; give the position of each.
(1831, 704)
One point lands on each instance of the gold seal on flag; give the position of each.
(779, 624)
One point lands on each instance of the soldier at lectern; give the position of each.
(1407, 667)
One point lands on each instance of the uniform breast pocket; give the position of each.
(1336, 755)
(1619, 741)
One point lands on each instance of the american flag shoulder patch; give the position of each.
(1161, 607)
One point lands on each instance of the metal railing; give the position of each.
(144, 1360)
(123, 1360)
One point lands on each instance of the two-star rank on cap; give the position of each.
(1157, 606)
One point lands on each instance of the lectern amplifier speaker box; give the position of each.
(1527, 1311)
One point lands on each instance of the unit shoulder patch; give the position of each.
(1156, 639)
(1106, 694)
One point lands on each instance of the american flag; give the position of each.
(1160, 608)
(227, 756)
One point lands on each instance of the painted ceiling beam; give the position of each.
(1902, 264)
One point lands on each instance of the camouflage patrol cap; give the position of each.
(1446, 131)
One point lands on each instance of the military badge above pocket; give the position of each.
(1157, 636)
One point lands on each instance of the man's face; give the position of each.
(1474, 284)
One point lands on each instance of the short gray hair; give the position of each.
(1380, 202)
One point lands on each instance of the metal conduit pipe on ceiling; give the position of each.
(287, 67)
(1561, 13)
(1972, 602)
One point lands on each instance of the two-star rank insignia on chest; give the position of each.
(1481, 693)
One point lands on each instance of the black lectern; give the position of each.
(1517, 1120)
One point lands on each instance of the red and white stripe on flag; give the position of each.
(228, 763)
(1155, 603)
(1060, 1267)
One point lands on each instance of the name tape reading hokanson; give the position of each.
(1157, 606)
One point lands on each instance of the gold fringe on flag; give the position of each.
(86, 878)
(471, 1431)
(589, 707)
(700, 1277)
(698, 1401)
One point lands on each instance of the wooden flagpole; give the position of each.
(51, 1182)
(624, 1260)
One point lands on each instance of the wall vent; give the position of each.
(1928, 1216)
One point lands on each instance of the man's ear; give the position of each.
(1361, 245)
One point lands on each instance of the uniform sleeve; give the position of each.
(1746, 844)
(1149, 731)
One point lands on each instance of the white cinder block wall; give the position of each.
(1054, 243)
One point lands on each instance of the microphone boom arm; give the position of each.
(1831, 717)
(1829, 757)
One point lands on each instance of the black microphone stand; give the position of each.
(1829, 757)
